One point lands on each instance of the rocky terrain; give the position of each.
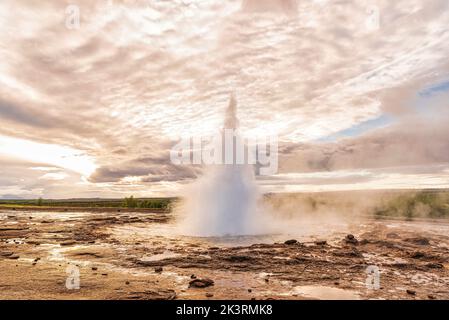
(137, 255)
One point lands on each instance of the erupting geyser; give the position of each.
(224, 201)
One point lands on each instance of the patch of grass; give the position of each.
(149, 203)
(432, 204)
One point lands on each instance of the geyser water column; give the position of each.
(224, 201)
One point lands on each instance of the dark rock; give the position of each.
(421, 241)
(201, 283)
(158, 269)
(209, 295)
(417, 255)
(431, 297)
(238, 258)
(127, 282)
(104, 274)
(193, 276)
(14, 257)
(351, 239)
(94, 268)
(435, 266)
(249, 290)
(291, 241)
(411, 292)
(321, 242)
(67, 243)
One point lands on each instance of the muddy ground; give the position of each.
(135, 255)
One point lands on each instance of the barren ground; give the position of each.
(135, 255)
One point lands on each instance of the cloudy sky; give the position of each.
(357, 92)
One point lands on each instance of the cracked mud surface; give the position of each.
(137, 255)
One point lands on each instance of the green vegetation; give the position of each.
(131, 202)
(432, 204)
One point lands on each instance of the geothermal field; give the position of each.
(142, 254)
(224, 151)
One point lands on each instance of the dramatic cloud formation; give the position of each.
(357, 91)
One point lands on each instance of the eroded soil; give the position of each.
(136, 255)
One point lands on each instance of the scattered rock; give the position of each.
(201, 283)
(209, 295)
(249, 290)
(104, 274)
(127, 282)
(321, 242)
(158, 269)
(94, 268)
(431, 297)
(411, 292)
(291, 241)
(6, 253)
(193, 276)
(351, 239)
(14, 257)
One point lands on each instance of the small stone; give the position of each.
(193, 276)
(67, 243)
(94, 268)
(209, 295)
(158, 269)
(431, 297)
(291, 241)
(321, 242)
(351, 239)
(127, 282)
(201, 283)
(417, 255)
(104, 274)
(411, 292)
(250, 290)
